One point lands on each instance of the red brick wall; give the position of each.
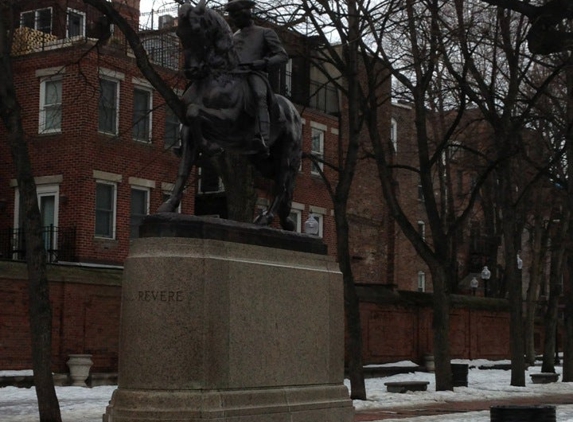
(399, 329)
(85, 319)
(86, 313)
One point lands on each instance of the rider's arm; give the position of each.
(276, 55)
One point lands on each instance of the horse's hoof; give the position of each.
(264, 219)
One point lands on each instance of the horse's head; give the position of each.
(207, 41)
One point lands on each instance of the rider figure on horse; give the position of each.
(259, 49)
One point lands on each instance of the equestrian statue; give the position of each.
(230, 104)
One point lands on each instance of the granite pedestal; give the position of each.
(228, 322)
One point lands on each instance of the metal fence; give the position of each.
(59, 244)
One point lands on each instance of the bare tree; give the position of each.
(39, 305)
(546, 34)
(506, 94)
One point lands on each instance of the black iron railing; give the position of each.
(59, 243)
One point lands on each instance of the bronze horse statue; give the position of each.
(221, 113)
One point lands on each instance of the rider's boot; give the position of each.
(261, 141)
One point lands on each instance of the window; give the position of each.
(48, 203)
(141, 114)
(420, 191)
(296, 216)
(76, 23)
(172, 129)
(317, 136)
(40, 20)
(108, 106)
(105, 210)
(139, 209)
(394, 135)
(421, 281)
(286, 79)
(422, 229)
(50, 105)
(209, 180)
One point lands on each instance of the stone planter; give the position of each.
(460, 374)
(429, 363)
(79, 369)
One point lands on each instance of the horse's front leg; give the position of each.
(189, 155)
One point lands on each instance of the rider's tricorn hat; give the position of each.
(233, 5)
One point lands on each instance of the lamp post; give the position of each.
(485, 276)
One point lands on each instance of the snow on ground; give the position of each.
(88, 404)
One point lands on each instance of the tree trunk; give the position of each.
(568, 327)
(441, 329)
(550, 321)
(39, 304)
(351, 308)
(536, 273)
(512, 235)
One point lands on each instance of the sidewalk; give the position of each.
(457, 407)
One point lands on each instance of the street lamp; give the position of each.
(485, 276)
(311, 226)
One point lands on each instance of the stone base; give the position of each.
(289, 404)
(229, 323)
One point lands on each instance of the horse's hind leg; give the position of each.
(188, 157)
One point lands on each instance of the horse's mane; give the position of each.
(221, 36)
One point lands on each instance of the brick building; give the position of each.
(100, 138)
(101, 142)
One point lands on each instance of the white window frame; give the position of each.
(147, 192)
(317, 131)
(421, 281)
(45, 186)
(394, 134)
(297, 220)
(70, 12)
(221, 186)
(297, 208)
(422, 229)
(148, 116)
(36, 13)
(113, 210)
(44, 108)
(115, 130)
(288, 78)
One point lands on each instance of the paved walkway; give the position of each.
(456, 407)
